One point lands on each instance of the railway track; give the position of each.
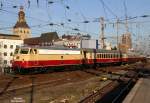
(9, 87)
(99, 95)
(53, 79)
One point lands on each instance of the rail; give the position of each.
(100, 93)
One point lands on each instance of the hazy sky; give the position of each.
(72, 14)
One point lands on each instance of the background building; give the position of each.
(74, 41)
(8, 44)
(21, 28)
(126, 42)
(46, 39)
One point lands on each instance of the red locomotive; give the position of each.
(41, 58)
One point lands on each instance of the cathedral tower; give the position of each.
(21, 28)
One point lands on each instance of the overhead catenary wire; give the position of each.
(103, 3)
(43, 22)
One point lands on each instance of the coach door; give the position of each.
(94, 60)
(84, 57)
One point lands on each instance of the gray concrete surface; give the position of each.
(140, 93)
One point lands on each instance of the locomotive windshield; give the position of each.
(24, 51)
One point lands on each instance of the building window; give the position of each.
(17, 46)
(11, 54)
(5, 54)
(11, 61)
(5, 61)
(5, 46)
(11, 46)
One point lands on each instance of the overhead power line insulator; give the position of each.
(67, 7)
(144, 16)
(50, 2)
(86, 22)
(51, 24)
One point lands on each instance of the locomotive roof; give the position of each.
(65, 48)
(50, 47)
(107, 51)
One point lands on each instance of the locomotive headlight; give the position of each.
(17, 57)
(23, 60)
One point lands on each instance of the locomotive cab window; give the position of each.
(35, 51)
(24, 51)
(16, 51)
(31, 51)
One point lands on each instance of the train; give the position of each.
(43, 58)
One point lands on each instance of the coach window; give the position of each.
(116, 55)
(109, 55)
(61, 57)
(106, 55)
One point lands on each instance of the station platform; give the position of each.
(140, 93)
